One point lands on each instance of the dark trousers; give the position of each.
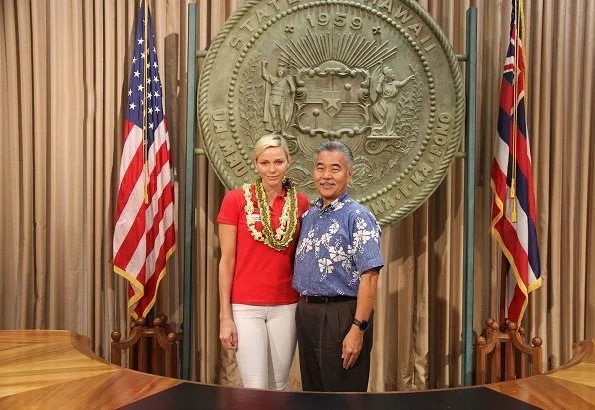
(321, 328)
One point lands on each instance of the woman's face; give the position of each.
(272, 164)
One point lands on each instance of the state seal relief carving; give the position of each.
(362, 72)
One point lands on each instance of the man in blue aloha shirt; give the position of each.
(337, 263)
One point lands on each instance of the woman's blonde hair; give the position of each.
(269, 141)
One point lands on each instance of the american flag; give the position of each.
(144, 235)
(514, 222)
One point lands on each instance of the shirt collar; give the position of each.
(344, 196)
(281, 195)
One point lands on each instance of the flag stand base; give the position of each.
(152, 346)
(501, 353)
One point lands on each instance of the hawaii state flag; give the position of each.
(144, 235)
(514, 223)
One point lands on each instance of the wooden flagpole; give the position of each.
(517, 5)
(503, 286)
(513, 215)
(145, 77)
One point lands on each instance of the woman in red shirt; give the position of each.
(258, 229)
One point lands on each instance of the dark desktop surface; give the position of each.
(200, 396)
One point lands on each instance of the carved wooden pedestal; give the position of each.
(151, 349)
(501, 353)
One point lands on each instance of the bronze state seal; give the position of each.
(378, 75)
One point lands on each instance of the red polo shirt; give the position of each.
(262, 275)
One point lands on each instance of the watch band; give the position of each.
(362, 324)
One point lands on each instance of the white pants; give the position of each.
(266, 344)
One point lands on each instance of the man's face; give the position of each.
(331, 175)
(281, 71)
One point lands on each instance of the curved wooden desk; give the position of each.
(56, 369)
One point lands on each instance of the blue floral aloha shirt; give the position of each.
(337, 244)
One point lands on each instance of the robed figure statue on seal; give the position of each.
(279, 98)
(384, 91)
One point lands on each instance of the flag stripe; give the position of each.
(130, 228)
(506, 149)
(523, 192)
(132, 142)
(161, 212)
(145, 304)
(130, 171)
(160, 239)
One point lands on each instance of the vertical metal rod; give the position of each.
(189, 197)
(468, 271)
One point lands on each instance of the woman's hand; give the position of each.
(228, 334)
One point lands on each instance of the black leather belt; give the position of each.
(325, 299)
